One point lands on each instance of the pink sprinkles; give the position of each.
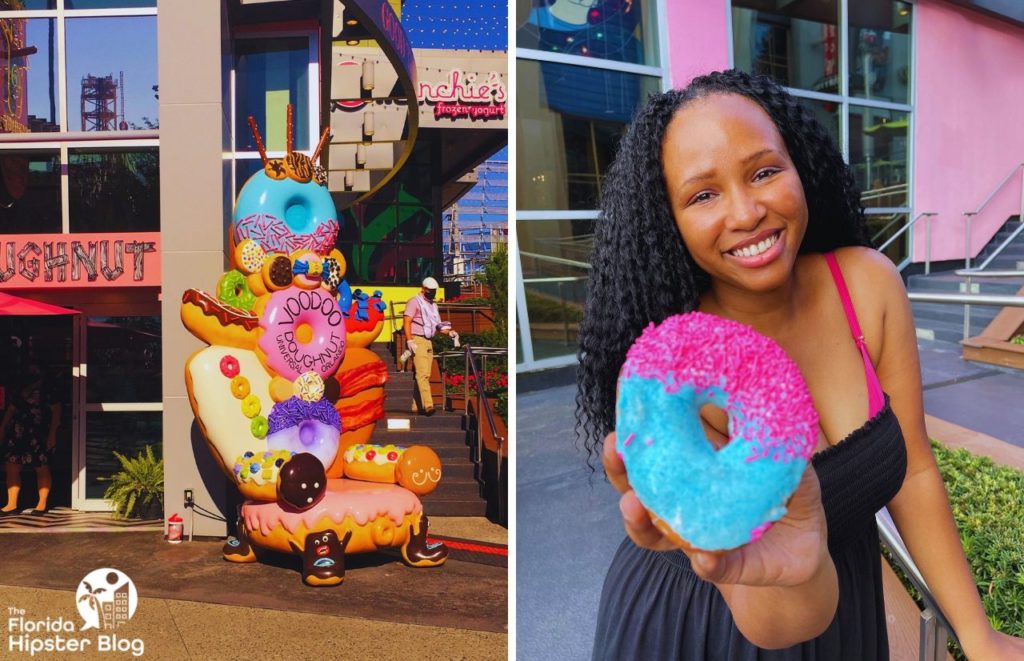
(768, 402)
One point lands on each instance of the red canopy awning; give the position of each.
(22, 307)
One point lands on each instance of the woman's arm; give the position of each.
(921, 509)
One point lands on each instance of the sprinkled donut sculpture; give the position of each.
(711, 499)
(288, 386)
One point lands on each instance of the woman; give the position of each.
(737, 203)
(28, 437)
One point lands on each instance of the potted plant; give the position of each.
(138, 488)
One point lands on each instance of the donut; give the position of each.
(331, 276)
(259, 427)
(307, 269)
(303, 330)
(277, 272)
(416, 468)
(711, 499)
(284, 215)
(300, 426)
(251, 406)
(309, 387)
(260, 467)
(216, 323)
(229, 366)
(240, 387)
(233, 289)
(249, 256)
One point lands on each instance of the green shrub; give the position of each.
(501, 406)
(139, 482)
(988, 506)
(1018, 339)
(545, 309)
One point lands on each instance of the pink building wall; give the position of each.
(968, 86)
(698, 38)
(969, 89)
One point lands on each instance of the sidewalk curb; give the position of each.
(955, 436)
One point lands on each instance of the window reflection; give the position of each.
(554, 255)
(270, 74)
(127, 432)
(569, 129)
(123, 355)
(878, 155)
(796, 44)
(620, 30)
(111, 73)
(28, 69)
(880, 50)
(29, 192)
(114, 191)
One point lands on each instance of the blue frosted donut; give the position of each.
(301, 426)
(713, 499)
(283, 215)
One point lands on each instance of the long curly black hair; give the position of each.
(641, 270)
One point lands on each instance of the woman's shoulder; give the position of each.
(869, 272)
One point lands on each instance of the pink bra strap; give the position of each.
(876, 400)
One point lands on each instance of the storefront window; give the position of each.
(797, 43)
(28, 68)
(569, 125)
(270, 73)
(880, 50)
(126, 432)
(124, 359)
(29, 192)
(555, 257)
(112, 73)
(114, 190)
(881, 227)
(606, 29)
(878, 155)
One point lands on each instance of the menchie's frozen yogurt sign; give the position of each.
(80, 260)
(466, 94)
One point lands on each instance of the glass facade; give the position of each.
(96, 92)
(570, 118)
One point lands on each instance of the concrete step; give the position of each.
(436, 422)
(947, 331)
(431, 437)
(466, 507)
(927, 312)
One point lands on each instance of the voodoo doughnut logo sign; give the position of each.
(287, 389)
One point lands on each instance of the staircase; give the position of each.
(459, 491)
(944, 322)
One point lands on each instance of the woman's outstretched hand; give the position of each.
(791, 552)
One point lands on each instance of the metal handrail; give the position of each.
(934, 628)
(895, 219)
(968, 215)
(1002, 246)
(471, 365)
(963, 299)
(928, 237)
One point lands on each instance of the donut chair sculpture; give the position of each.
(288, 392)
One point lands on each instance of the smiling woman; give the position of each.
(739, 204)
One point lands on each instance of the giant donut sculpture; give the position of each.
(711, 499)
(288, 384)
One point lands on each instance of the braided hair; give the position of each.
(642, 271)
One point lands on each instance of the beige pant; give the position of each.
(422, 362)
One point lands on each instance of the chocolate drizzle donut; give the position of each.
(223, 313)
(280, 272)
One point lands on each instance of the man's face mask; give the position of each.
(430, 294)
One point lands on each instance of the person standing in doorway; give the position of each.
(28, 437)
(422, 321)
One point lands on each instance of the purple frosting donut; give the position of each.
(302, 426)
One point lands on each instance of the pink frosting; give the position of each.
(764, 387)
(363, 501)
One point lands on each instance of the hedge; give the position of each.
(988, 506)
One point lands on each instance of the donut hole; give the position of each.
(716, 425)
(297, 215)
(304, 333)
(307, 433)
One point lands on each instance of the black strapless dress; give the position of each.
(654, 607)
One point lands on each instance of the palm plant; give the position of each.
(91, 597)
(139, 482)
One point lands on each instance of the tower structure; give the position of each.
(99, 103)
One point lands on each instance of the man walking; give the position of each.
(422, 320)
